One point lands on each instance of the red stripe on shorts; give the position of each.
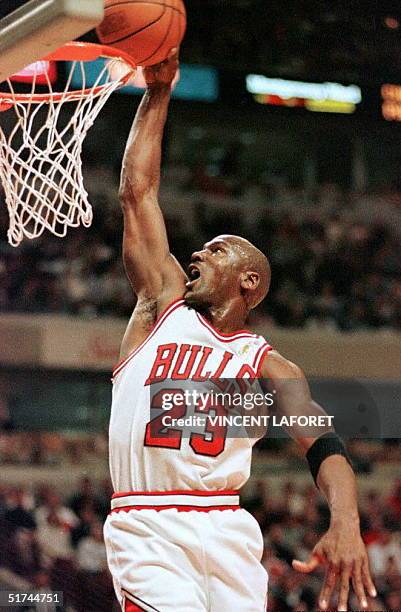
(175, 507)
(176, 492)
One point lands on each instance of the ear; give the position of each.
(250, 281)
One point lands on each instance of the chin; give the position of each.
(196, 300)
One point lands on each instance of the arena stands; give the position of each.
(333, 267)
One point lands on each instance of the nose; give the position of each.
(197, 256)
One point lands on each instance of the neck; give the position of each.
(228, 317)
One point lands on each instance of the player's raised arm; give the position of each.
(152, 271)
(341, 550)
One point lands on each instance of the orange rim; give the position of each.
(71, 52)
(87, 52)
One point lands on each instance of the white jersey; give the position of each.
(151, 453)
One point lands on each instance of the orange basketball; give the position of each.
(145, 30)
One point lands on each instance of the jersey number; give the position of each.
(210, 443)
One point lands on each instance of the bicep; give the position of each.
(293, 399)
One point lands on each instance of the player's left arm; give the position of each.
(341, 550)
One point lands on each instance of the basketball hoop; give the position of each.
(40, 157)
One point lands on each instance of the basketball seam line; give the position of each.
(162, 42)
(165, 6)
(148, 25)
(154, 2)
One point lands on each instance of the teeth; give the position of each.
(194, 273)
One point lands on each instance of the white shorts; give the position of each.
(185, 552)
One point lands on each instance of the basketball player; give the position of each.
(176, 538)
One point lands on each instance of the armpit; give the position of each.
(146, 312)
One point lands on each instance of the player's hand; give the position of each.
(163, 73)
(344, 556)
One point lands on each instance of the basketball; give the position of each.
(145, 30)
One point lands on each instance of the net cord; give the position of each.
(43, 181)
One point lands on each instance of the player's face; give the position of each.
(214, 274)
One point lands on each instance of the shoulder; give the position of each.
(148, 316)
(276, 366)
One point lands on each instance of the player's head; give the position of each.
(229, 269)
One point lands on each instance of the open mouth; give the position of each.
(194, 276)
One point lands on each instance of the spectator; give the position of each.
(61, 515)
(386, 550)
(91, 552)
(84, 497)
(54, 539)
(19, 514)
(394, 503)
(277, 542)
(87, 517)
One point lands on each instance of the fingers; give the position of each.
(306, 567)
(170, 59)
(172, 56)
(345, 561)
(358, 586)
(367, 579)
(173, 52)
(329, 584)
(344, 588)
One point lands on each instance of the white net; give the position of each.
(40, 156)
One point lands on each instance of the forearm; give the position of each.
(336, 480)
(142, 157)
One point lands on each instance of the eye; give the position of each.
(218, 249)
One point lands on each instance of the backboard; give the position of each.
(32, 29)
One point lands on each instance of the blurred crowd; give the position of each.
(51, 449)
(332, 268)
(56, 542)
(293, 522)
(66, 450)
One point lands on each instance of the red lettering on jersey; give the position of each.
(199, 376)
(245, 378)
(212, 442)
(163, 361)
(226, 358)
(167, 362)
(224, 385)
(177, 375)
(156, 433)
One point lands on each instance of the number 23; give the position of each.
(160, 435)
